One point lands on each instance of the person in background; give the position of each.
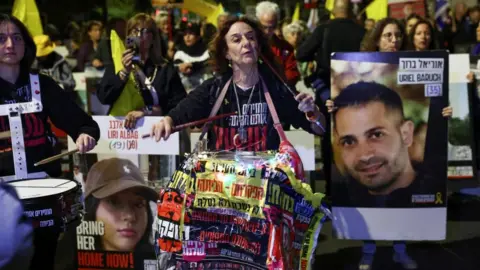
(103, 55)
(73, 40)
(163, 27)
(473, 20)
(16, 246)
(457, 33)
(162, 74)
(411, 21)
(407, 10)
(268, 14)
(295, 35)
(388, 35)
(330, 37)
(191, 58)
(476, 47)
(208, 32)
(52, 64)
(222, 18)
(369, 24)
(54, 34)
(421, 37)
(87, 50)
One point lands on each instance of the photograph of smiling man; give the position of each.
(389, 139)
(116, 231)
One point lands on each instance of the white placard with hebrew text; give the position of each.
(116, 139)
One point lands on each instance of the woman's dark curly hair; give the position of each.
(371, 44)
(411, 36)
(218, 46)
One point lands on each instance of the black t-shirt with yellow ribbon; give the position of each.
(422, 192)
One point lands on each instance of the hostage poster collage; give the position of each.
(103, 243)
(216, 213)
(389, 143)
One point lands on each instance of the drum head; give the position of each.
(36, 188)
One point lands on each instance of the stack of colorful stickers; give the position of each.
(237, 213)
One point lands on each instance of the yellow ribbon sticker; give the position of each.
(438, 198)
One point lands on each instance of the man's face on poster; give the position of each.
(373, 143)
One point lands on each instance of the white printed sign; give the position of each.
(421, 64)
(420, 77)
(420, 71)
(116, 139)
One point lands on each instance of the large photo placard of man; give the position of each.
(389, 139)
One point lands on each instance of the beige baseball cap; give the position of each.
(110, 176)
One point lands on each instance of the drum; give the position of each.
(51, 204)
(237, 210)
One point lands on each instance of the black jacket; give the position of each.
(258, 122)
(57, 107)
(166, 82)
(338, 35)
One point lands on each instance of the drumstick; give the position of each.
(56, 157)
(195, 123)
(5, 134)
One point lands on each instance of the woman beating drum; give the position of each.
(46, 100)
(242, 85)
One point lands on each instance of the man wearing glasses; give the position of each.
(268, 14)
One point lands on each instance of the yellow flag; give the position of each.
(212, 18)
(377, 10)
(200, 7)
(130, 99)
(296, 13)
(27, 12)
(329, 4)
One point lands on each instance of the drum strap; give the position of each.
(273, 112)
(215, 108)
(14, 112)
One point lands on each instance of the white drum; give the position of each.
(51, 203)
